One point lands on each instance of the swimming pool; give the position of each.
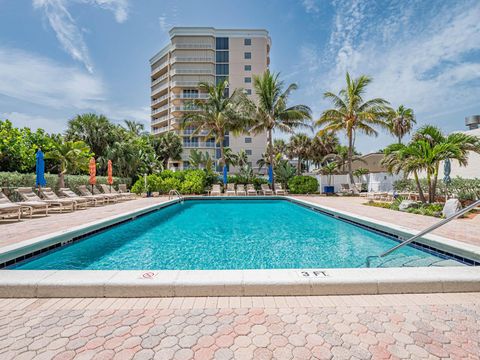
(226, 234)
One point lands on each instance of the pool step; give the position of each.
(414, 261)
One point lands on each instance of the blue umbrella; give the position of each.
(270, 174)
(225, 180)
(447, 168)
(40, 169)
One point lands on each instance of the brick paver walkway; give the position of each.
(354, 327)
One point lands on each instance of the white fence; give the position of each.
(375, 182)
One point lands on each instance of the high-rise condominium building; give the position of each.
(205, 54)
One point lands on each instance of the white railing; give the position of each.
(185, 108)
(160, 109)
(157, 88)
(192, 71)
(200, 133)
(159, 80)
(160, 119)
(160, 130)
(193, 46)
(189, 96)
(199, 144)
(159, 67)
(160, 99)
(192, 59)
(189, 82)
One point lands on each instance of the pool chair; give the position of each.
(230, 189)
(241, 190)
(104, 197)
(279, 190)
(216, 190)
(48, 195)
(345, 189)
(251, 190)
(110, 190)
(122, 189)
(113, 197)
(27, 207)
(27, 194)
(87, 200)
(265, 190)
(9, 210)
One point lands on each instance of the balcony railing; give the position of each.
(160, 119)
(160, 109)
(200, 133)
(193, 46)
(159, 67)
(192, 59)
(159, 80)
(158, 88)
(188, 83)
(189, 96)
(192, 71)
(185, 108)
(159, 100)
(199, 144)
(161, 129)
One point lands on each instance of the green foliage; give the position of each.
(303, 185)
(434, 210)
(170, 183)
(187, 182)
(194, 182)
(360, 172)
(284, 172)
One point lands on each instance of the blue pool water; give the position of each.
(223, 234)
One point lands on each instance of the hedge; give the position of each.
(187, 182)
(463, 189)
(303, 185)
(10, 180)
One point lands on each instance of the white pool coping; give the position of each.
(278, 282)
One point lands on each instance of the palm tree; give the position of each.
(340, 156)
(299, 147)
(219, 114)
(242, 159)
(198, 160)
(321, 146)
(168, 146)
(71, 156)
(352, 114)
(134, 127)
(279, 146)
(284, 172)
(400, 122)
(272, 110)
(329, 169)
(265, 160)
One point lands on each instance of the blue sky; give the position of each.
(59, 58)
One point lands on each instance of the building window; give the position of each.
(221, 56)
(248, 152)
(248, 67)
(248, 140)
(248, 80)
(221, 69)
(247, 55)
(248, 91)
(221, 43)
(247, 41)
(220, 79)
(186, 165)
(190, 93)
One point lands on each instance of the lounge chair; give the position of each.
(241, 190)
(279, 190)
(48, 194)
(216, 190)
(230, 189)
(265, 190)
(106, 198)
(27, 194)
(122, 189)
(345, 189)
(251, 190)
(110, 190)
(28, 207)
(87, 200)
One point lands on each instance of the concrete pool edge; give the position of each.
(185, 283)
(151, 283)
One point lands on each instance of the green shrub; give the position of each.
(139, 187)
(168, 184)
(303, 185)
(194, 182)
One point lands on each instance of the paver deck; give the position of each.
(340, 327)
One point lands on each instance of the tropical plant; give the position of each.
(358, 173)
(283, 172)
(241, 159)
(321, 146)
(199, 160)
(264, 160)
(168, 146)
(400, 122)
(427, 149)
(272, 110)
(340, 156)
(279, 146)
(352, 114)
(134, 127)
(71, 157)
(219, 114)
(303, 185)
(329, 169)
(299, 147)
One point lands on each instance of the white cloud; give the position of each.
(50, 125)
(310, 6)
(66, 29)
(164, 25)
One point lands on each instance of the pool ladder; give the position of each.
(174, 192)
(369, 259)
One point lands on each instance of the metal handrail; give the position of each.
(174, 192)
(424, 232)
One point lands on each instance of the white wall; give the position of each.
(375, 182)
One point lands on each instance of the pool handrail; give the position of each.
(174, 192)
(466, 209)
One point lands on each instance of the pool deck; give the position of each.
(465, 230)
(416, 326)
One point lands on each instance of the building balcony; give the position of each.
(207, 59)
(192, 72)
(158, 120)
(159, 88)
(188, 83)
(157, 68)
(160, 100)
(189, 132)
(193, 46)
(159, 80)
(189, 96)
(160, 109)
(185, 108)
(199, 144)
(160, 130)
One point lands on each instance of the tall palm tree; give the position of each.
(340, 156)
(242, 158)
(322, 145)
(299, 147)
(352, 114)
(401, 121)
(168, 146)
(71, 157)
(272, 110)
(134, 127)
(219, 114)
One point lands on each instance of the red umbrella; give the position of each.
(92, 167)
(109, 173)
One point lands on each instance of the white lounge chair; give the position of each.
(87, 200)
(122, 189)
(109, 190)
(230, 190)
(216, 190)
(265, 190)
(251, 190)
(279, 190)
(28, 207)
(48, 194)
(105, 197)
(241, 190)
(27, 194)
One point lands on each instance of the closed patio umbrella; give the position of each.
(270, 174)
(92, 167)
(109, 174)
(447, 168)
(40, 169)
(225, 178)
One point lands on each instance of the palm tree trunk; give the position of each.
(299, 166)
(61, 179)
(350, 156)
(434, 184)
(429, 183)
(222, 153)
(270, 153)
(419, 187)
(399, 139)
